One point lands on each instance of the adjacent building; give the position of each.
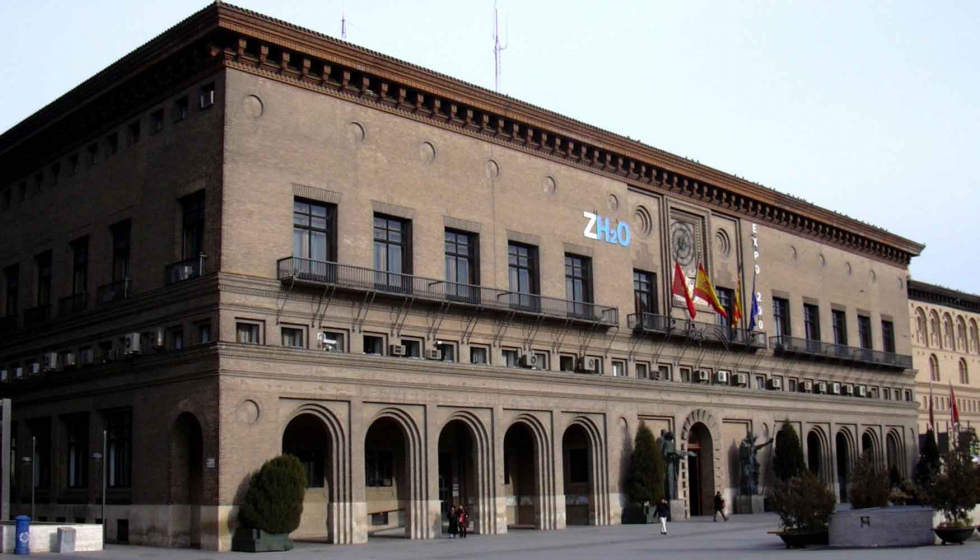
(246, 238)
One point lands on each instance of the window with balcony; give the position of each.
(780, 317)
(864, 331)
(462, 266)
(578, 285)
(839, 319)
(644, 292)
(119, 427)
(392, 252)
(522, 269)
(192, 226)
(727, 299)
(11, 276)
(888, 336)
(120, 250)
(314, 230)
(811, 321)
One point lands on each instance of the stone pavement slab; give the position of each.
(744, 537)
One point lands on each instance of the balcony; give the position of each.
(670, 327)
(72, 304)
(187, 269)
(789, 346)
(354, 278)
(8, 324)
(37, 315)
(114, 291)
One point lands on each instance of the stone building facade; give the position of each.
(246, 238)
(945, 351)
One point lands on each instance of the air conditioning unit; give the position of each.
(50, 361)
(588, 365)
(396, 350)
(132, 344)
(327, 344)
(775, 384)
(703, 376)
(849, 390)
(18, 373)
(69, 360)
(821, 387)
(34, 369)
(159, 338)
(807, 386)
(206, 99)
(862, 391)
(721, 377)
(433, 354)
(529, 361)
(741, 379)
(185, 272)
(88, 357)
(835, 388)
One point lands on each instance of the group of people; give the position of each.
(459, 521)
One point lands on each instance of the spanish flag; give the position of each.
(704, 290)
(679, 288)
(737, 311)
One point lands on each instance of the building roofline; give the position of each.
(941, 295)
(226, 16)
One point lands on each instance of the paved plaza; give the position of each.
(745, 536)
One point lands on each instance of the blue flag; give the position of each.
(755, 306)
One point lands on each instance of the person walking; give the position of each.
(663, 512)
(720, 507)
(453, 522)
(464, 522)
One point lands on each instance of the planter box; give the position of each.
(802, 540)
(255, 540)
(44, 536)
(954, 535)
(898, 526)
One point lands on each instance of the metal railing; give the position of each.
(791, 345)
(37, 315)
(367, 279)
(113, 291)
(72, 304)
(703, 332)
(186, 269)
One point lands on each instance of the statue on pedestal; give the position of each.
(747, 451)
(672, 461)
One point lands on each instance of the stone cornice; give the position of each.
(939, 295)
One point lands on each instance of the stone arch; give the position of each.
(921, 330)
(819, 461)
(598, 506)
(948, 332)
(417, 492)
(895, 452)
(974, 340)
(871, 444)
(961, 342)
(186, 451)
(934, 373)
(484, 519)
(704, 417)
(545, 515)
(843, 461)
(964, 372)
(340, 513)
(935, 336)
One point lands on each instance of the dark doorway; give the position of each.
(700, 470)
(868, 448)
(187, 474)
(577, 461)
(843, 466)
(307, 439)
(814, 454)
(386, 475)
(457, 472)
(520, 478)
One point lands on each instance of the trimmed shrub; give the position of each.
(645, 476)
(788, 461)
(867, 489)
(274, 500)
(803, 503)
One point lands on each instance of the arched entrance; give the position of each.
(700, 470)
(843, 466)
(892, 451)
(187, 476)
(521, 477)
(814, 453)
(306, 438)
(577, 460)
(868, 448)
(386, 479)
(458, 482)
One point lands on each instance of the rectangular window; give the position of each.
(447, 350)
(43, 262)
(192, 225)
(522, 268)
(133, 133)
(791, 385)
(332, 341)
(479, 355)
(811, 321)
(41, 431)
(91, 154)
(413, 347)
(578, 285)
(685, 375)
(511, 357)
(38, 182)
(119, 426)
(618, 368)
(205, 96)
(864, 331)
(72, 165)
(663, 372)
(11, 276)
(314, 231)
(180, 109)
(204, 332)
(566, 363)
(727, 299)
(840, 327)
(77, 456)
(156, 121)
(176, 336)
(55, 173)
(888, 336)
(462, 265)
(760, 382)
(120, 250)
(247, 333)
(644, 291)
(780, 317)
(374, 344)
(642, 370)
(79, 276)
(112, 144)
(292, 337)
(391, 253)
(312, 460)
(542, 360)
(378, 468)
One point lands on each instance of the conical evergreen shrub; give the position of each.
(645, 476)
(274, 500)
(788, 461)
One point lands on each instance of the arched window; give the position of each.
(934, 368)
(964, 372)
(960, 334)
(948, 332)
(934, 335)
(974, 341)
(920, 327)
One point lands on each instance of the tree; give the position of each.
(927, 469)
(868, 489)
(274, 500)
(956, 491)
(645, 476)
(803, 503)
(788, 461)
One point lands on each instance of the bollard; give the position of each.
(23, 545)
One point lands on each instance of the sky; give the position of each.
(871, 109)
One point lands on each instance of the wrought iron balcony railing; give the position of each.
(186, 269)
(72, 304)
(306, 271)
(37, 315)
(729, 337)
(113, 291)
(788, 345)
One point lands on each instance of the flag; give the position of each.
(954, 411)
(932, 419)
(737, 311)
(679, 288)
(755, 306)
(704, 290)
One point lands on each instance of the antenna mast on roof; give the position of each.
(343, 25)
(497, 50)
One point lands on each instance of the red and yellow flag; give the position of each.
(737, 310)
(704, 290)
(679, 288)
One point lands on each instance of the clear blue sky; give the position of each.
(867, 108)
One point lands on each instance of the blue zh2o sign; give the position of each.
(599, 229)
